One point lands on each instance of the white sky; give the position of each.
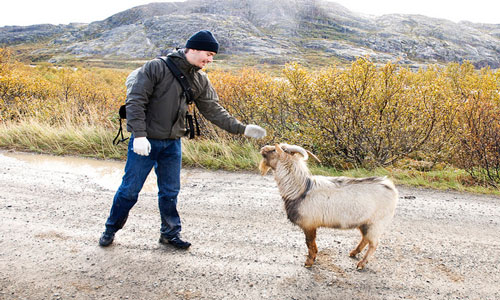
(29, 12)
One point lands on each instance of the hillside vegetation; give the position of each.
(363, 116)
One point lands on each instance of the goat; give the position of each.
(335, 202)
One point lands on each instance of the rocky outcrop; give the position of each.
(12, 35)
(275, 31)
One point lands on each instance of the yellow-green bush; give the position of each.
(366, 115)
(59, 95)
(358, 116)
(477, 130)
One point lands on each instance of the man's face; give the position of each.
(200, 58)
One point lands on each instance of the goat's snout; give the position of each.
(266, 154)
(265, 164)
(264, 151)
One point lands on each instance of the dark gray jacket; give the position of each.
(156, 105)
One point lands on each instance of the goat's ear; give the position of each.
(278, 149)
(263, 167)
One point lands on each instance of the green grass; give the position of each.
(96, 142)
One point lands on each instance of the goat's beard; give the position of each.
(264, 167)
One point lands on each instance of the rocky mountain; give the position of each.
(262, 31)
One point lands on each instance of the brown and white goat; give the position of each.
(335, 202)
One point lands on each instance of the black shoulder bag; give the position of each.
(190, 114)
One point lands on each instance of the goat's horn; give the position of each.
(314, 156)
(295, 149)
(278, 148)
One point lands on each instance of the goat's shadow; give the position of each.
(328, 260)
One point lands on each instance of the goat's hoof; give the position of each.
(353, 253)
(308, 263)
(361, 265)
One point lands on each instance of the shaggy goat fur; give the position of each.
(335, 202)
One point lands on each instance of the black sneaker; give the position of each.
(175, 241)
(106, 239)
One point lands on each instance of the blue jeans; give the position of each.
(166, 158)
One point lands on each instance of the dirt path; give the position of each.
(441, 245)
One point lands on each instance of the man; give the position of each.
(156, 108)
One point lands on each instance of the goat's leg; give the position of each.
(311, 246)
(372, 246)
(364, 230)
(359, 248)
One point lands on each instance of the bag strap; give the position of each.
(186, 87)
(120, 132)
(181, 78)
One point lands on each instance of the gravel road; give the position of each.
(441, 245)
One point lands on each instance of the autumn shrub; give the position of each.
(59, 95)
(20, 88)
(363, 116)
(250, 96)
(477, 139)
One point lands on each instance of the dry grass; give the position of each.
(95, 141)
(84, 140)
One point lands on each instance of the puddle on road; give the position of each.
(105, 173)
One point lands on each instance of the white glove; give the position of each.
(142, 146)
(255, 131)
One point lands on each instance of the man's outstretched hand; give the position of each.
(255, 131)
